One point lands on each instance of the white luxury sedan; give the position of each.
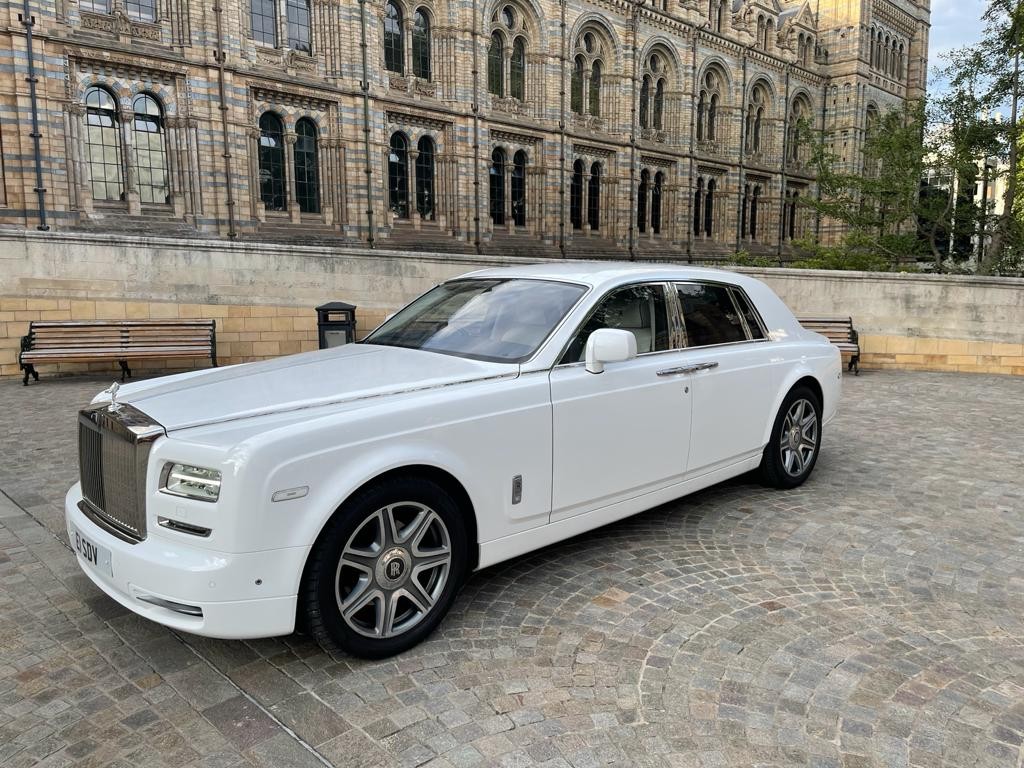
(350, 491)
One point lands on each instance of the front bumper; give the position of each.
(239, 595)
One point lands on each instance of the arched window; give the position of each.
(141, 10)
(576, 195)
(421, 44)
(425, 178)
(710, 97)
(519, 188)
(659, 104)
(716, 14)
(272, 184)
(792, 215)
(659, 179)
(263, 20)
(645, 97)
(394, 47)
(641, 200)
(871, 50)
(103, 145)
(698, 207)
(901, 67)
(744, 205)
(754, 203)
(798, 114)
(657, 73)
(709, 209)
(595, 89)
(594, 198)
(517, 69)
(307, 171)
(496, 65)
(894, 60)
(769, 29)
(398, 176)
(497, 186)
(300, 37)
(756, 109)
(702, 108)
(576, 86)
(150, 149)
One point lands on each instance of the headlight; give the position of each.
(191, 482)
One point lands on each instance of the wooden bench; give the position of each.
(90, 341)
(840, 331)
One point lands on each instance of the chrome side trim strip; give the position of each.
(170, 605)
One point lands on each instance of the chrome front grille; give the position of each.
(113, 451)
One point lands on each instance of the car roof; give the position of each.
(608, 274)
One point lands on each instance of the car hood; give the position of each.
(312, 379)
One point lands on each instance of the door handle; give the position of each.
(687, 369)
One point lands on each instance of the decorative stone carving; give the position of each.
(508, 104)
(653, 134)
(118, 23)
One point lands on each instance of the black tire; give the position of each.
(328, 580)
(779, 468)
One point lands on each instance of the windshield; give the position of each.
(498, 320)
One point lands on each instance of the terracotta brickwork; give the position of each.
(678, 116)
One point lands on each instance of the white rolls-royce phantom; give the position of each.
(350, 491)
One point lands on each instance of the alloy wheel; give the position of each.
(393, 569)
(799, 438)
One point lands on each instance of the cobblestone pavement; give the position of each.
(871, 618)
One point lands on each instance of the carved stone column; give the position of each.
(83, 177)
(259, 208)
(193, 164)
(414, 209)
(292, 203)
(131, 174)
(584, 203)
(175, 182)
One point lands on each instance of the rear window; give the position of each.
(709, 315)
(753, 321)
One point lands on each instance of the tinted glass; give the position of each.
(499, 320)
(639, 308)
(709, 315)
(753, 323)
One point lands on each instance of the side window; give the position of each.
(709, 315)
(753, 322)
(639, 308)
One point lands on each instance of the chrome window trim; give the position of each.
(753, 308)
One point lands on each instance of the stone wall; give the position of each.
(263, 296)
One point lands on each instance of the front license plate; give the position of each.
(93, 554)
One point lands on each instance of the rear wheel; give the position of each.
(386, 569)
(795, 442)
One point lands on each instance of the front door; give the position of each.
(623, 432)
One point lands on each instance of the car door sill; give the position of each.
(496, 551)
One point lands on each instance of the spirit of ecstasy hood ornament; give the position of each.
(114, 405)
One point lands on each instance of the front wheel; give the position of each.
(795, 441)
(386, 569)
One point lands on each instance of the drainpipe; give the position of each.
(785, 160)
(693, 142)
(633, 122)
(221, 58)
(742, 164)
(561, 132)
(476, 126)
(364, 86)
(824, 119)
(28, 21)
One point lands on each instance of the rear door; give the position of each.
(733, 389)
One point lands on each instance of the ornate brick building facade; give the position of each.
(657, 127)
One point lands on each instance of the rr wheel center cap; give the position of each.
(393, 568)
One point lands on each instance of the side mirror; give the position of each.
(609, 345)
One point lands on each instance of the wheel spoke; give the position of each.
(431, 560)
(418, 528)
(359, 558)
(798, 460)
(415, 592)
(390, 604)
(389, 526)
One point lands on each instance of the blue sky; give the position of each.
(955, 23)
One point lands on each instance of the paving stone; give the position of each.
(872, 617)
